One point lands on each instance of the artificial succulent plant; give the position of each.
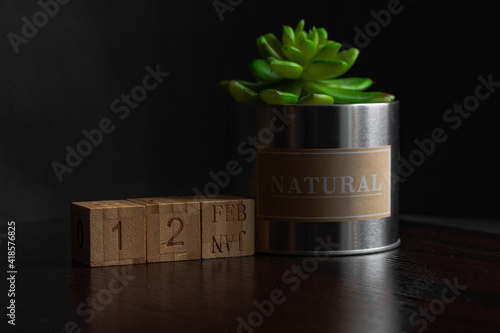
(303, 68)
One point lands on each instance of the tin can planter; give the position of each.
(320, 176)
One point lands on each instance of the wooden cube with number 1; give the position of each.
(172, 229)
(106, 233)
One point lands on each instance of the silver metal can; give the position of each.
(320, 174)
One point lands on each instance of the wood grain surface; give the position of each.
(440, 280)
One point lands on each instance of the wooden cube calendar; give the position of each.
(172, 228)
(227, 226)
(108, 233)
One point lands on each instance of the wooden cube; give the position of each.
(172, 229)
(106, 233)
(227, 227)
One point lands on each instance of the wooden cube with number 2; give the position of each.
(106, 233)
(173, 228)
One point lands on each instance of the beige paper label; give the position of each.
(324, 185)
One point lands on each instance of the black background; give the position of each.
(64, 80)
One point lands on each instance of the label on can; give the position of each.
(324, 185)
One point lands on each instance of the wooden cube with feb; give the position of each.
(227, 227)
(106, 233)
(172, 228)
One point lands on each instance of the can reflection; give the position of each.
(362, 294)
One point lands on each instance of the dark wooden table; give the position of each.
(441, 279)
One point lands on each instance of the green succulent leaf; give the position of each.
(224, 86)
(300, 38)
(316, 99)
(242, 94)
(300, 28)
(293, 54)
(324, 69)
(349, 83)
(343, 96)
(287, 69)
(313, 36)
(349, 56)
(323, 36)
(288, 36)
(263, 73)
(270, 46)
(328, 51)
(308, 48)
(273, 96)
(255, 86)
